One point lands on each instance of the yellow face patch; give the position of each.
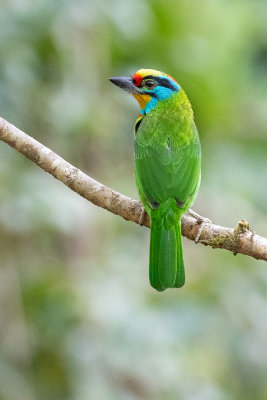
(142, 99)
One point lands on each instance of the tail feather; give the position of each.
(166, 266)
(180, 275)
(153, 258)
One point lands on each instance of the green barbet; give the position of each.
(167, 167)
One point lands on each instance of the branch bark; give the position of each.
(237, 240)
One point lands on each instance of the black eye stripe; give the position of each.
(166, 83)
(150, 93)
(162, 81)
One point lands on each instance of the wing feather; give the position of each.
(167, 167)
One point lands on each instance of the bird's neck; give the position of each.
(149, 106)
(177, 103)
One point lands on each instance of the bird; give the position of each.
(167, 167)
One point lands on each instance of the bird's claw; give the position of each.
(142, 217)
(202, 221)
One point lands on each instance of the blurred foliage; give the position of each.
(78, 319)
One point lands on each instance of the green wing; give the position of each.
(167, 163)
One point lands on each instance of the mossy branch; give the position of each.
(239, 240)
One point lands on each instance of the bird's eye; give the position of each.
(149, 83)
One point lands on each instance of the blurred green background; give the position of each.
(78, 319)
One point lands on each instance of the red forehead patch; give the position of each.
(137, 79)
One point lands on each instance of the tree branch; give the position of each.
(239, 240)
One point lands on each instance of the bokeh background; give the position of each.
(78, 319)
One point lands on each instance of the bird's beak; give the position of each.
(125, 83)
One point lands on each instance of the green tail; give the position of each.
(166, 265)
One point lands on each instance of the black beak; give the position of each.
(125, 83)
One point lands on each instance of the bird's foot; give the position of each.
(142, 217)
(202, 221)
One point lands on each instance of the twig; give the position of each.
(239, 240)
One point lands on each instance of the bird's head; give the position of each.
(148, 86)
